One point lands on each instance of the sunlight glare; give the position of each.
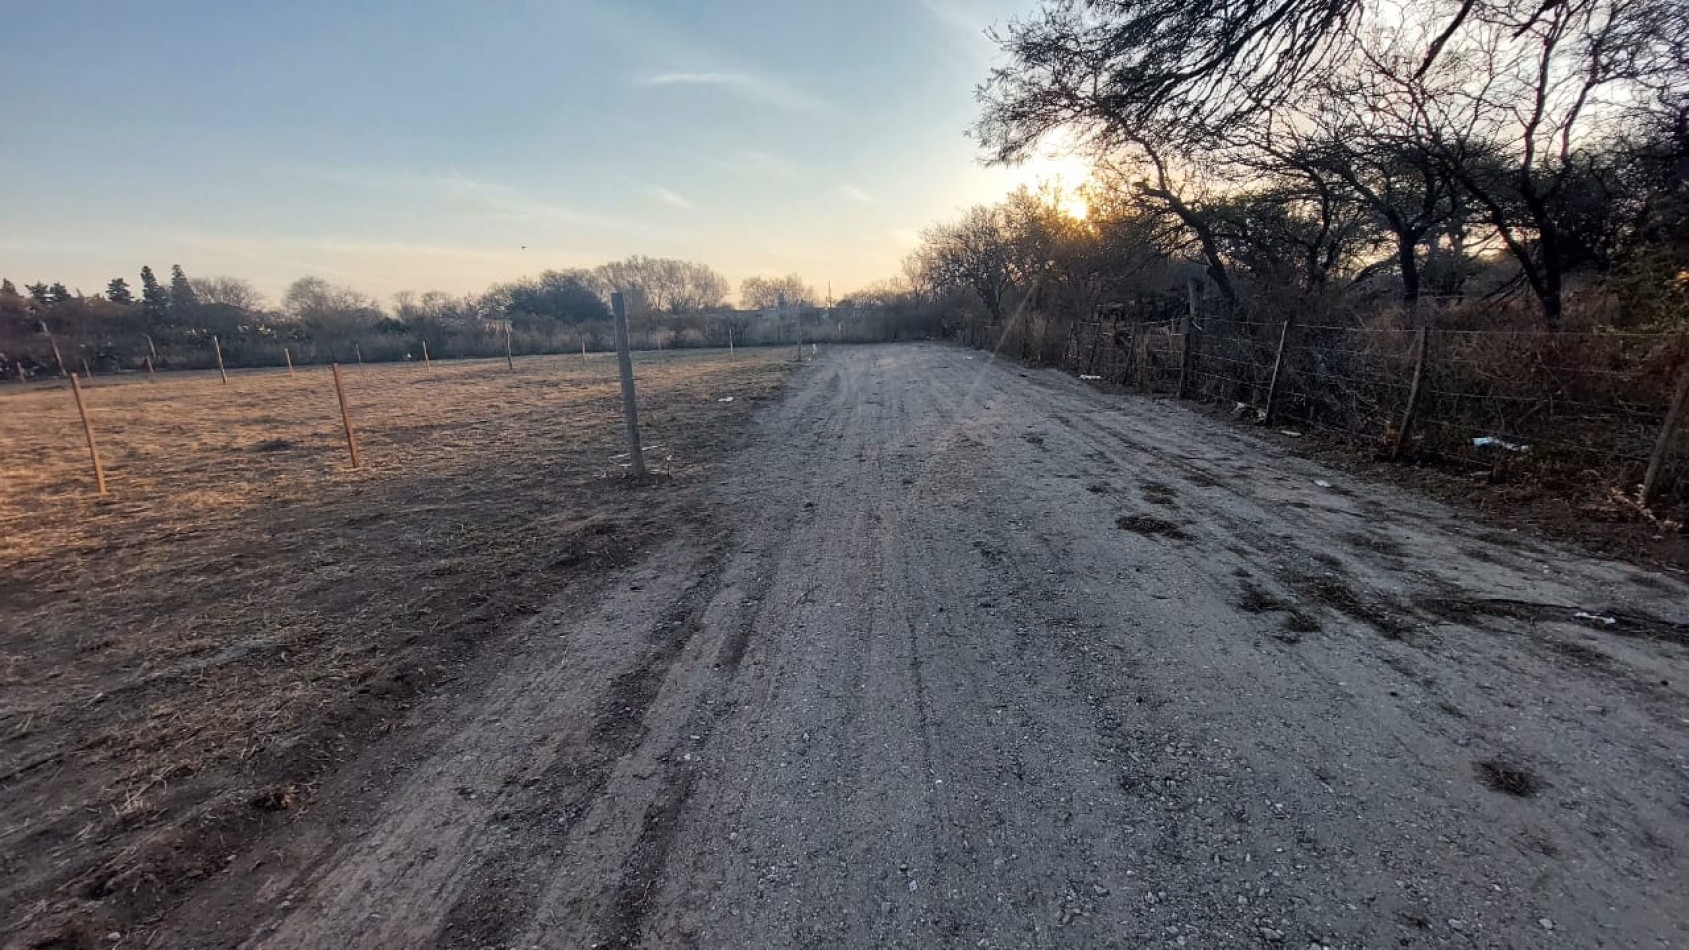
(1068, 173)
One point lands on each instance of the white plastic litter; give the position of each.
(1491, 442)
(1290, 432)
(725, 399)
(1607, 621)
(1088, 378)
(1322, 483)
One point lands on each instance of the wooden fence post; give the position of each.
(1187, 355)
(509, 359)
(287, 354)
(426, 363)
(88, 430)
(1129, 375)
(1278, 368)
(1668, 432)
(218, 346)
(346, 417)
(1421, 348)
(630, 407)
(57, 356)
(85, 370)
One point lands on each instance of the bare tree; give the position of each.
(665, 285)
(970, 253)
(765, 293)
(1496, 102)
(234, 292)
(1513, 117)
(329, 308)
(1162, 70)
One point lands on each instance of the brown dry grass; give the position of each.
(188, 655)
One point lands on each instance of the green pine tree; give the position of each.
(41, 293)
(7, 288)
(155, 300)
(59, 292)
(182, 294)
(117, 291)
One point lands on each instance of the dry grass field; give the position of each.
(181, 659)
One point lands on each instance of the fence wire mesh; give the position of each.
(1561, 404)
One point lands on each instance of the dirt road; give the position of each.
(976, 657)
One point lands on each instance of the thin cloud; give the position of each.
(756, 162)
(670, 198)
(856, 194)
(459, 190)
(763, 89)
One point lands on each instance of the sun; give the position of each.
(1066, 173)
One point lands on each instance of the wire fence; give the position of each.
(1583, 406)
(35, 349)
(181, 436)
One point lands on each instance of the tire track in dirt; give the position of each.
(501, 897)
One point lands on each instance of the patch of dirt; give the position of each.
(1627, 621)
(1332, 590)
(1150, 525)
(1159, 493)
(1509, 778)
(1256, 600)
(187, 658)
(1379, 545)
(1300, 623)
(1583, 513)
(1202, 479)
(1578, 653)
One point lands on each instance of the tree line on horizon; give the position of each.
(670, 302)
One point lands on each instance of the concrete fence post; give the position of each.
(1278, 369)
(630, 406)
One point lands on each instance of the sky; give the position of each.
(398, 145)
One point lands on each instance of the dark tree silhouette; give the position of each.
(1165, 69)
(155, 300)
(182, 295)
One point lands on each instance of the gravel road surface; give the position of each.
(968, 655)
